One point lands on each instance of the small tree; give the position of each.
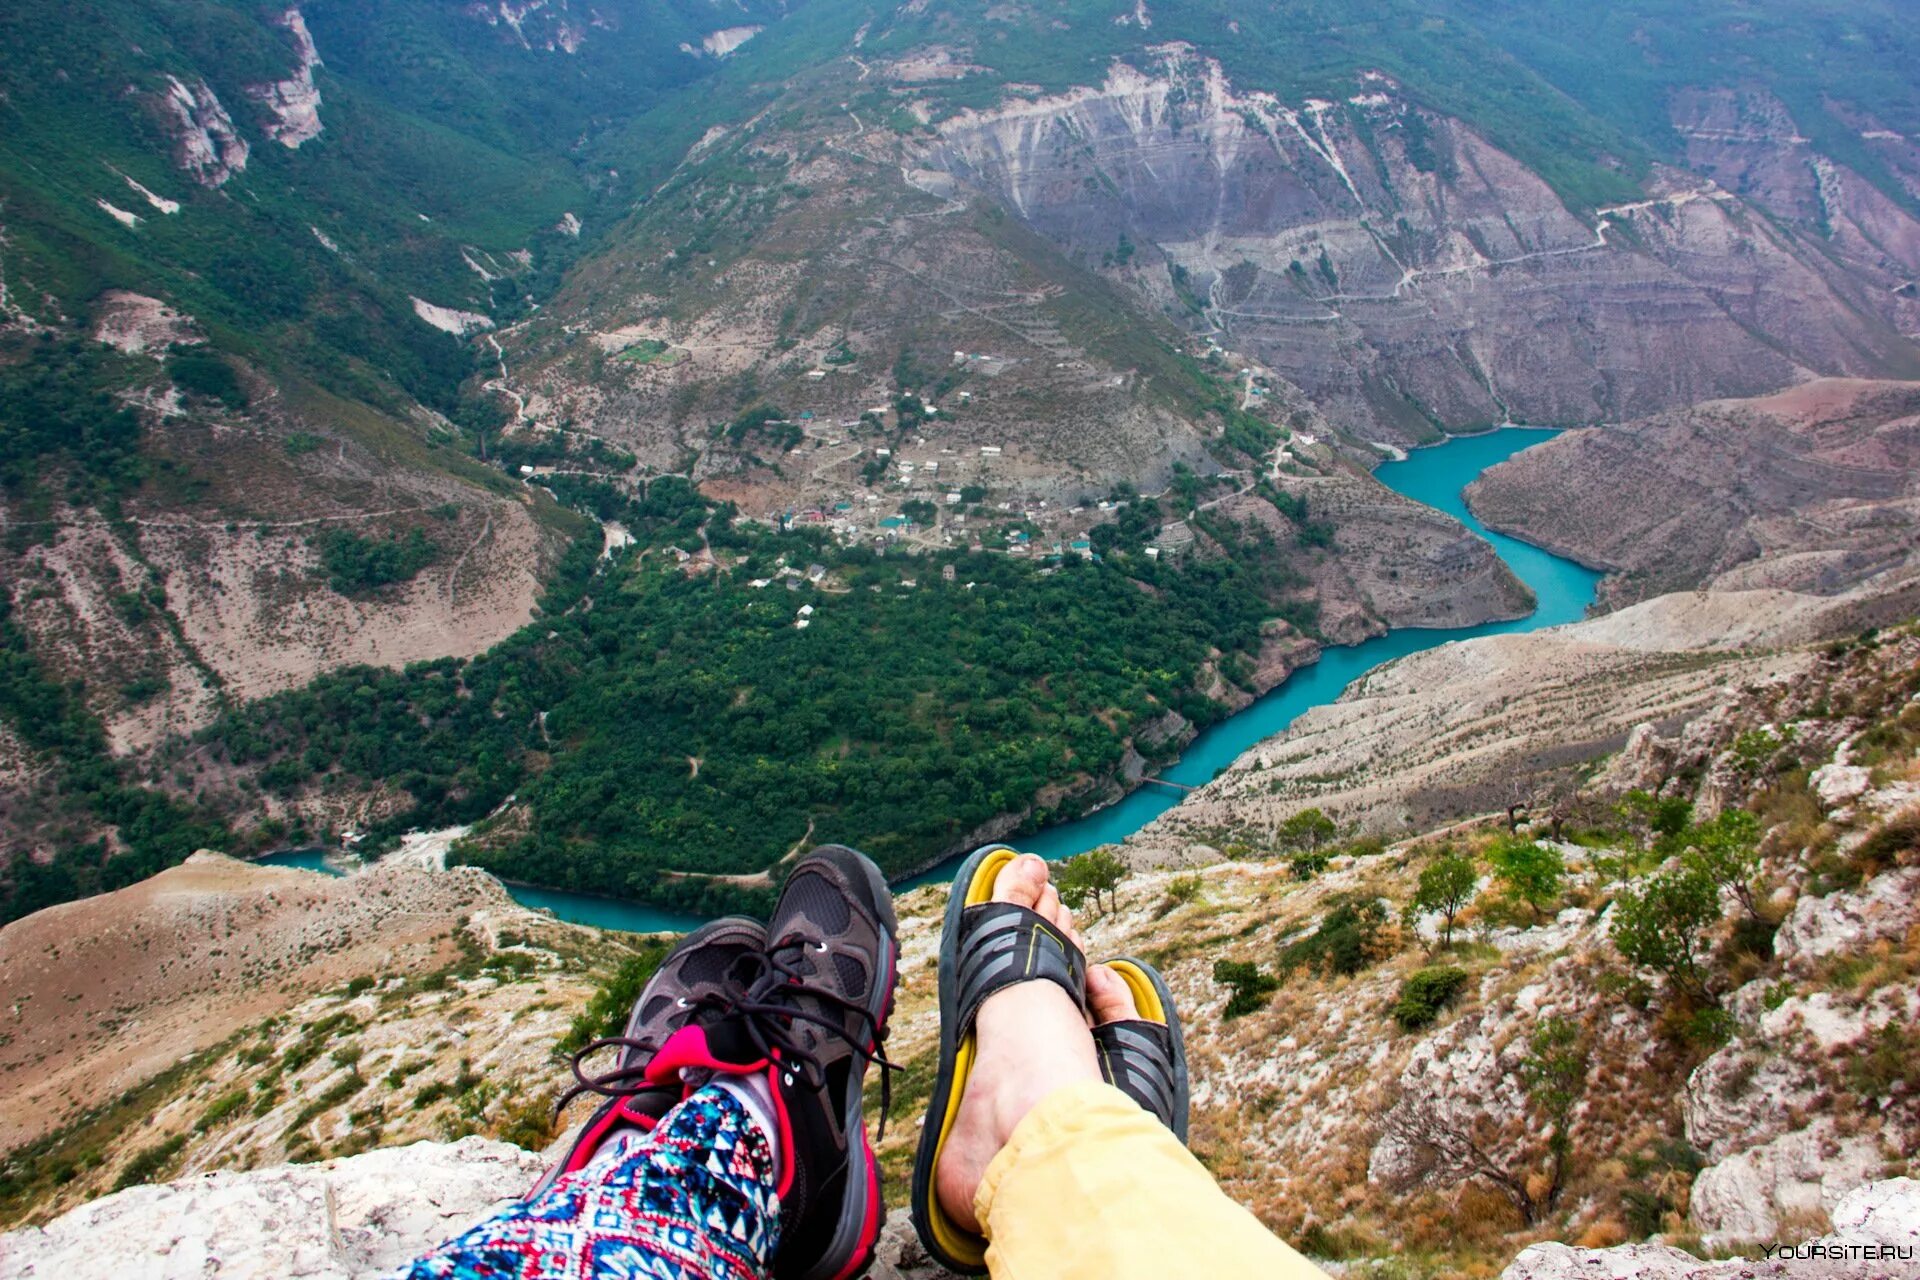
(1307, 829)
(1655, 819)
(1092, 876)
(1662, 923)
(1554, 1073)
(1531, 873)
(1447, 886)
(1727, 851)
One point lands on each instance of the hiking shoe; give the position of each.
(811, 1023)
(708, 968)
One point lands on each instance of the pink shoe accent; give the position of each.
(870, 1225)
(588, 1145)
(687, 1049)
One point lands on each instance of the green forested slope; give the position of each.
(899, 719)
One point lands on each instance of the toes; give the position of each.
(1049, 905)
(1022, 881)
(1108, 996)
(1065, 921)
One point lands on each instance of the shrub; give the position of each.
(1705, 1029)
(1896, 843)
(203, 373)
(149, 1161)
(1646, 1211)
(1885, 1062)
(357, 565)
(1182, 890)
(1308, 865)
(1655, 817)
(1249, 984)
(1425, 993)
(528, 1123)
(222, 1107)
(1727, 851)
(1347, 941)
(1662, 923)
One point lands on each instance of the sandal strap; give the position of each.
(1136, 1057)
(1001, 944)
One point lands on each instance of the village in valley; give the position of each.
(910, 471)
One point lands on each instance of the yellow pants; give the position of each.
(1092, 1186)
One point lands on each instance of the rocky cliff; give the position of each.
(359, 1217)
(1811, 490)
(1410, 275)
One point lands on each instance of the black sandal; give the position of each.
(1146, 1057)
(986, 946)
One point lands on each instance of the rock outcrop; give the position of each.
(1811, 490)
(205, 142)
(295, 101)
(1876, 1236)
(1408, 274)
(340, 1220)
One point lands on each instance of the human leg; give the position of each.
(695, 1197)
(1062, 1174)
(731, 1143)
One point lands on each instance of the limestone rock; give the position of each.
(1876, 1236)
(1742, 1096)
(1818, 927)
(205, 143)
(293, 102)
(356, 1217)
(1838, 784)
(1747, 1196)
(1643, 763)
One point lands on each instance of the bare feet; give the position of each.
(1029, 1040)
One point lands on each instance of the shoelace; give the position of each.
(628, 1081)
(767, 1005)
(773, 997)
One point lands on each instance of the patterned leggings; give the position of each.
(695, 1198)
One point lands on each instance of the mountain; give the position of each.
(1812, 489)
(645, 437)
(330, 331)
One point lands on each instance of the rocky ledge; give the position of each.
(1876, 1236)
(366, 1214)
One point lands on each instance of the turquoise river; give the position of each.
(1435, 476)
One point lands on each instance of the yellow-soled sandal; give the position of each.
(1146, 1057)
(985, 946)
